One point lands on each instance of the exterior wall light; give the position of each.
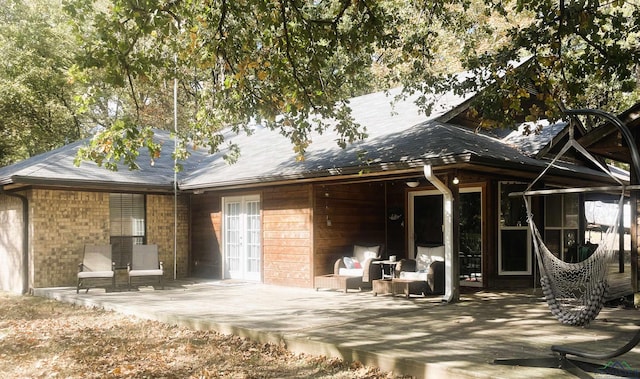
(413, 184)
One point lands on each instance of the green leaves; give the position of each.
(120, 143)
(584, 55)
(36, 110)
(291, 65)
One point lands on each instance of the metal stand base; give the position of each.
(577, 367)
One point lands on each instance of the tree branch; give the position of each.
(294, 68)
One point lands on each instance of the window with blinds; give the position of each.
(128, 226)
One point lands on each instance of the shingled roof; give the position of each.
(56, 168)
(400, 137)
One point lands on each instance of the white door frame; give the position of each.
(245, 238)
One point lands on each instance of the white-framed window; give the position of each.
(561, 219)
(127, 219)
(514, 236)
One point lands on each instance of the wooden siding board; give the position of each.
(206, 223)
(357, 214)
(287, 238)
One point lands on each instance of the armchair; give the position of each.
(96, 265)
(428, 266)
(145, 263)
(360, 264)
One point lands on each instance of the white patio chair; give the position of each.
(97, 264)
(145, 263)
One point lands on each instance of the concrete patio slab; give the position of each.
(419, 337)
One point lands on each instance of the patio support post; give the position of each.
(451, 284)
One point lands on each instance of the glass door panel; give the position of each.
(470, 237)
(253, 240)
(232, 243)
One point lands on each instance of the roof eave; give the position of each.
(79, 184)
(372, 170)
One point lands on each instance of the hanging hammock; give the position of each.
(575, 292)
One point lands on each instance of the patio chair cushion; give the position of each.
(426, 255)
(362, 253)
(157, 272)
(413, 275)
(96, 264)
(144, 258)
(95, 274)
(351, 271)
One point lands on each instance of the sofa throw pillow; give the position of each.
(362, 253)
(348, 262)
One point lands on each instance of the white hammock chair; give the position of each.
(575, 292)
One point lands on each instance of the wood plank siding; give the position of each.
(345, 215)
(287, 235)
(206, 236)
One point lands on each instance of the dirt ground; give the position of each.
(42, 338)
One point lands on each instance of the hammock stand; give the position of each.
(576, 366)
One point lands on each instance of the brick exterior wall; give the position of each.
(62, 222)
(11, 242)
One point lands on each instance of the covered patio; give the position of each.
(420, 337)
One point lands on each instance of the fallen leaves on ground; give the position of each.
(42, 338)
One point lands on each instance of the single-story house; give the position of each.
(274, 219)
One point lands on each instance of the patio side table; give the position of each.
(382, 286)
(410, 287)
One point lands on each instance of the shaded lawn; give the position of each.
(41, 338)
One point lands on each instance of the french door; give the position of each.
(242, 238)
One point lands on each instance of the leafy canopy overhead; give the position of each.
(292, 65)
(36, 99)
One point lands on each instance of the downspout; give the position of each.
(25, 238)
(449, 293)
(175, 175)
